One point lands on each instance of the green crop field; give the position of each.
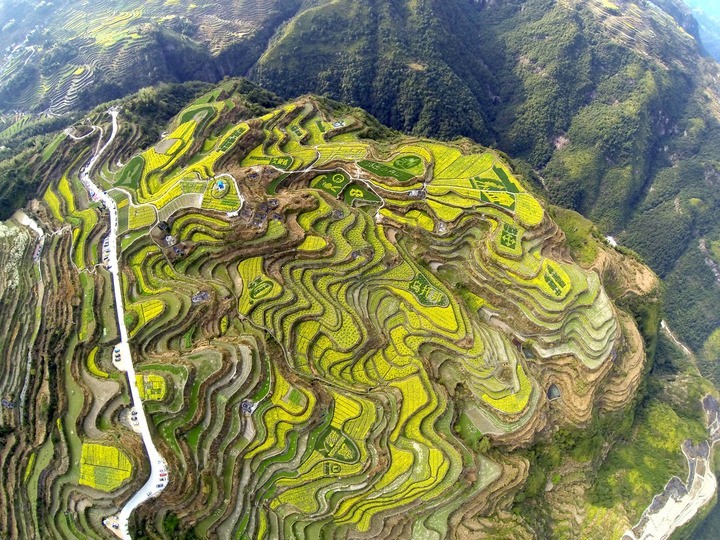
(103, 467)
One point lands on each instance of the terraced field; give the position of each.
(325, 326)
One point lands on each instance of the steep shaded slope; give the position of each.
(389, 57)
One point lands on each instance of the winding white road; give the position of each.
(158, 469)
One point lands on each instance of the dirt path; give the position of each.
(670, 334)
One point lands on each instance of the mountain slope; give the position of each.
(60, 56)
(317, 304)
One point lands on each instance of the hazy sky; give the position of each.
(711, 7)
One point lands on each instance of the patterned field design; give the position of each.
(151, 387)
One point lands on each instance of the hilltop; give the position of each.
(318, 304)
(611, 103)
